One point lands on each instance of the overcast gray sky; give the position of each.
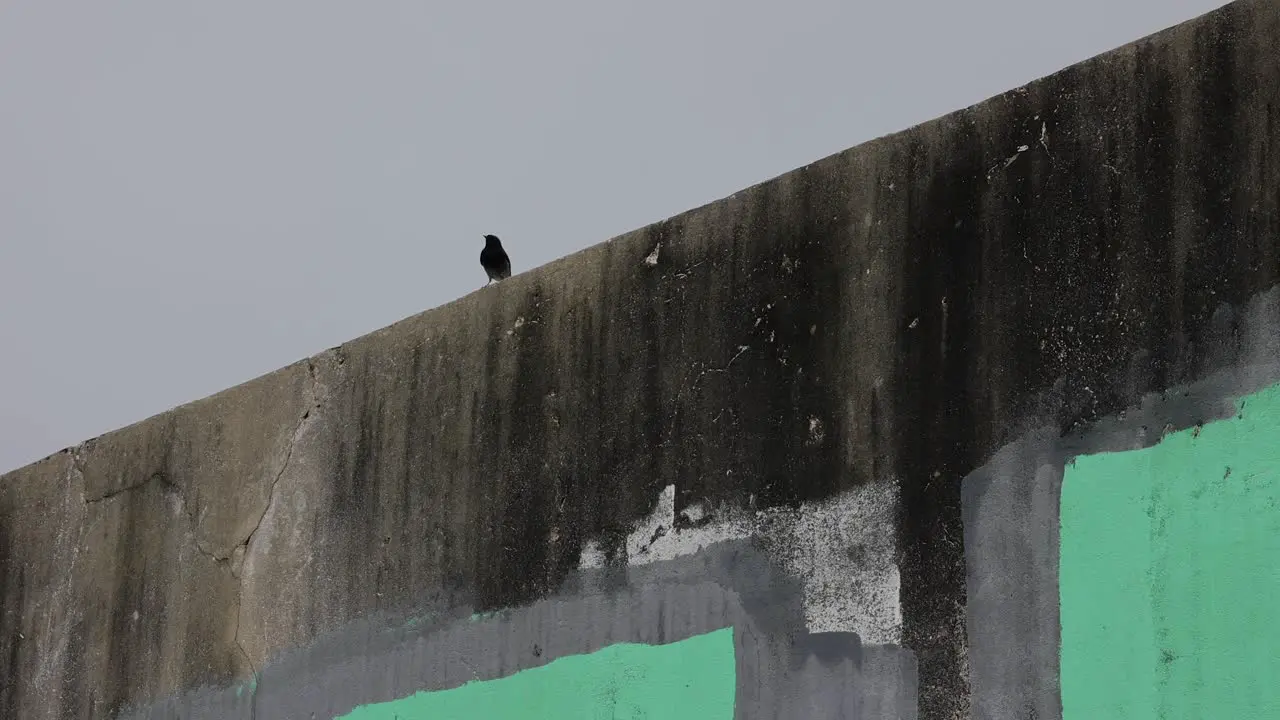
(194, 193)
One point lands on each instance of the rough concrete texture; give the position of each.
(892, 314)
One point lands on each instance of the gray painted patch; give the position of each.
(233, 703)
(782, 671)
(1011, 545)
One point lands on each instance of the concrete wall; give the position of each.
(855, 442)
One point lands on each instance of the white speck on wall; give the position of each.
(652, 258)
(816, 431)
(655, 540)
(177, 508)
(843, 551)
(592, 557)
(695, 512)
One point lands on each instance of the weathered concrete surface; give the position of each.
(1042, 259)
(131, 544)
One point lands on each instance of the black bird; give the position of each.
(494, 259)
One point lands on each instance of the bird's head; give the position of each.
(491, 240)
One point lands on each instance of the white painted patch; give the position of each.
(842, 550)
(653, 539)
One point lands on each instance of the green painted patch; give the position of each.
(250, 686)
(692, 679)
(1170, 575)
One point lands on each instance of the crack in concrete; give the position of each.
(253, 670)
(169, 486)
(76, 476)
(313, 405)
(271, 494)
(224, 561)
(76, 453)
(114, 492)
(708, 371)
